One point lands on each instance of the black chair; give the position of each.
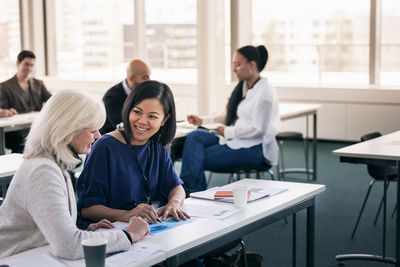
(236, 171)
(385, 174)
(4, 184)
(286, 136)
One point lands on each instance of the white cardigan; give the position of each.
(257, 123)
(40, 208)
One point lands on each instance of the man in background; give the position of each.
(21, 94)
(114, 98)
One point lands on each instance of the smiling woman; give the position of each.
(40, 206)
(129, 171)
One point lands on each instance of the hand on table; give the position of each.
(145, 211)
(173, 210)
(8, 112)
(106, 224)
(195, 120)
(137, 228)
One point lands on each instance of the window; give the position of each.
(314, 41)
(390, 43)
(93, 38)
(171, 40)
(10, 44)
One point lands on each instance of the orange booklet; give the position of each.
(225, 194)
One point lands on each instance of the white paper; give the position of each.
(137, 253)
(218, 212)
(41, 260)
(255, 193)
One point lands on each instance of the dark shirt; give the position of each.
(114, 100)
(111, 177)
(13, 96)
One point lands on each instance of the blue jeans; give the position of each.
(202, 151)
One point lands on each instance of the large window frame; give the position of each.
(37, 34)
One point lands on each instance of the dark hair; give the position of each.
(157, 90)
(260, 55)
(25, 53)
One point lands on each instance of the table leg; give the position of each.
(310, 235)
(2, 141)
(294, 241)
(397, 245)
(315, 146)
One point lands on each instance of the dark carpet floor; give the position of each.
(336, 212)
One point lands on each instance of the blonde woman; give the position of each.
(40, 206)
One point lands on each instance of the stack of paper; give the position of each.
(137, 253)
(256, 193)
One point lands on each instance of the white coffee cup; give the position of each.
(240, 196)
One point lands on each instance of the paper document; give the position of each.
(256, 193)
(45, 259)
(137, 253)
(218, 212)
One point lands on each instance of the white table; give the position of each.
(194, 239)
(384, 150)
(15, 123)
(287, 111)
(8, 165)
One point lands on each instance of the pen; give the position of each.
(158, 220)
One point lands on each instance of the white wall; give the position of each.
(346, 113)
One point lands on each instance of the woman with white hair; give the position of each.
(40, 206)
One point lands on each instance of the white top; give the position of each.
(258, 121)
(40, 208)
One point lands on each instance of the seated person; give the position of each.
(21, 94)
(40, 205)
(114, 98)
(129, 170)
(248, 137)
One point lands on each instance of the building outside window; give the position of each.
(10, 44)
(390, 43)
(314, 41)
(171, 40)
(91, 38)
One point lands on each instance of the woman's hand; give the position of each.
(137, 228)
(195, 120)
(221, 130)
(174, 210)
(106, 224)
(146, 212)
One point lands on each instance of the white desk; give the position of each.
(15, 123)
(384, 150)
(287, 111)
(9, 164)
(194, 239)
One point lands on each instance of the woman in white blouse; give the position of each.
(250, 125)
(40, 206)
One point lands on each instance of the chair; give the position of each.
(285, 136)
(236, 171)
(4, 184)
(385, 174)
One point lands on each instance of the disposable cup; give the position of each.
(240, 196)
(94, 250)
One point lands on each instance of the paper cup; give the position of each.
(94, 250)
(240, 196)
